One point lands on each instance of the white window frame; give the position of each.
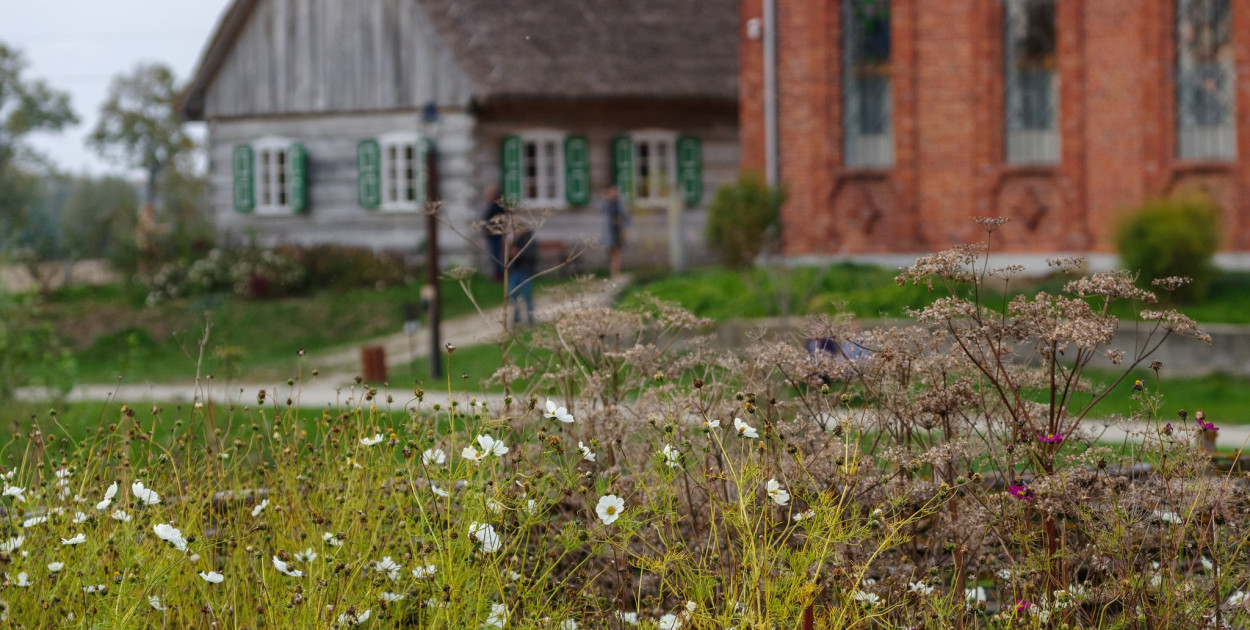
(388, 182)
(549, 165)
(662, 186)
(271, 181)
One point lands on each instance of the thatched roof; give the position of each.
(558, 49)
(574, 49)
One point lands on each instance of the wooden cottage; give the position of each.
(319, 112)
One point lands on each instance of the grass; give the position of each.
(112, 336)
(469, 369)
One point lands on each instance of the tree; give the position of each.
(25, 106)
(140, 125)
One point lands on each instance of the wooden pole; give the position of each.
(431, 259)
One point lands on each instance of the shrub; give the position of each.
(1172, 237)
(742, 218)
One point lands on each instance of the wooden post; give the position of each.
(431, 259)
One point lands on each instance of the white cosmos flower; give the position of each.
(119, 515)
(390, 597)
(567, 624)
(285, 569)
(691, 607)
(34, 520)
(388, 566)
(155, 602)
(804, 515)
(672, 456)
(1236, 599)
(76, 540)
(587, 454)
(55, 567)
(711, 424)
(144, 494)
(486, 445)
(669, 622)
(439, 491)
(377, 437)
(486, 535)
(170, 534)
(9, 475)
(22, 580)
(108, 498)
(15, 492)
(630, 618)
(744, 430)
(348, 619)
(212, 577)
(331, 540)
(98, 588)
(498, 615)
(12, 544)
(307, 555)
(557, 413)
(260, 507)
(1168, 517)
(494, 506)
(867, 599)
(777, 493)
(81, 517)
(434, 457)
(610, 508)
(920, 588)
(975, 596)
(424, 572)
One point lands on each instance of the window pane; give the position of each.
(410, 173)
(644, 170)
(1030, 81)
(866, 86)
(549, 170)
(1204, 79)
(265, 188)
(280, 186)
(529, 170)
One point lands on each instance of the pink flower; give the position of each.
(1051, 438)
(1023, 605)
(1024, 493)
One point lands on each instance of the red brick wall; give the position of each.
(1116, 125)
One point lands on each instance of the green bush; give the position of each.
(1172, 237)
(741, 217)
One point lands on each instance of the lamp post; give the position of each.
(429, 127)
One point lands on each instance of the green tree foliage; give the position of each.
(98, 218)
(743, 218)
(1172, 237)
(26, 105)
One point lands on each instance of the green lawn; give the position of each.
(470, 368)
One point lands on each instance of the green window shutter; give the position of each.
(623, 166)
(690, 169)
(577, 170)
(421, 176)
(298, 159)
(510, 163)
(244, 181)
(368, 174)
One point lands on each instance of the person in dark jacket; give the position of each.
(617, 221)
(522, 265)
(493, 232)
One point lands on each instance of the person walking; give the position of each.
(522, 265)
(617, 221)
(493, 231)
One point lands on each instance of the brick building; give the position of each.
(897, 120)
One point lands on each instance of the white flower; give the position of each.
(804, 515)
(348, 619)
(260, 507)
(212, 577)
(76, 540)
(610, 508)
(55, 567)
(1168, 517)
(920, 588)
(669, 622)
(487, 445)
(424, 572)
(434, 457)
(494, 506)
(143, 494)
(98, 588)
(557, 413)
(777, 493)
(486, 535)
(587, 454)
(119, 515)
(867, 599)
(975, 596)
(1004, 574)
(15, 492)
(387, 566)
(691, 607)
(307, 555)
(498, 615)
(513, 576)
(1236, 599)
(744, 429)
(285, 569)
(155, 602)
(390, 597)
(377, 437)
(81, 517)
(711, 424)
(9, 475)
(630, 618)
(12, 544)
(1206, 563)
(331, 540)
(435, 603)
(672, 456)
(170, 534)
(567, 624)
(34, 520)
(64, 473)
(439, 491)
(22, 580)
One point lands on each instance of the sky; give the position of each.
(78, 46)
